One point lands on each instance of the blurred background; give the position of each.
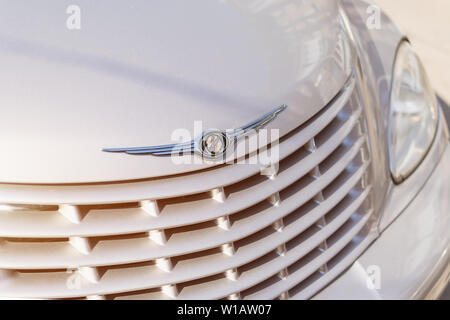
(427, 25)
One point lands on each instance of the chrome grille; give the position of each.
(222, 233)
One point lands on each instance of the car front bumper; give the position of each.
(411, 257)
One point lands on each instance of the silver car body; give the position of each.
(138, 70)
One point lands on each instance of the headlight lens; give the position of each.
(413, 114)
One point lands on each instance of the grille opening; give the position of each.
(198, 227)
(34, 240)
(333, 159)
(356, 163)
(250, 212)
(140, 294)
(344, 229)
(337, 155)
(51, 272)
(69, 299)
(333, 127)
(305, 283)
(366, 206)
(348, 249)
(140, 235)
(102, 270)
(355, 134)
(302, 237)
(295, 187)
(189, 257)
(110, 206)
(339, 208)
(260, 235)
(350, 108)
(245, 184)
(292, 159)
(258, 262)
(343, 177)
(206, 281)
(302, 262)
(260, 286)
(168, 202)
(300, 212)
(94, 241)
(5, 207)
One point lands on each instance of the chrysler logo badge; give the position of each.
(212, 144)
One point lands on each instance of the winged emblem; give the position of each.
(211, 144)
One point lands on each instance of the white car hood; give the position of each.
(137, 70)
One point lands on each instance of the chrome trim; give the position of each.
(196, 145)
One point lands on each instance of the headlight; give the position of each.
(413, 114)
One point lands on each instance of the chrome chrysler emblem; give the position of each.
(212, 144)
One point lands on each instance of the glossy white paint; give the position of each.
(136, 71)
